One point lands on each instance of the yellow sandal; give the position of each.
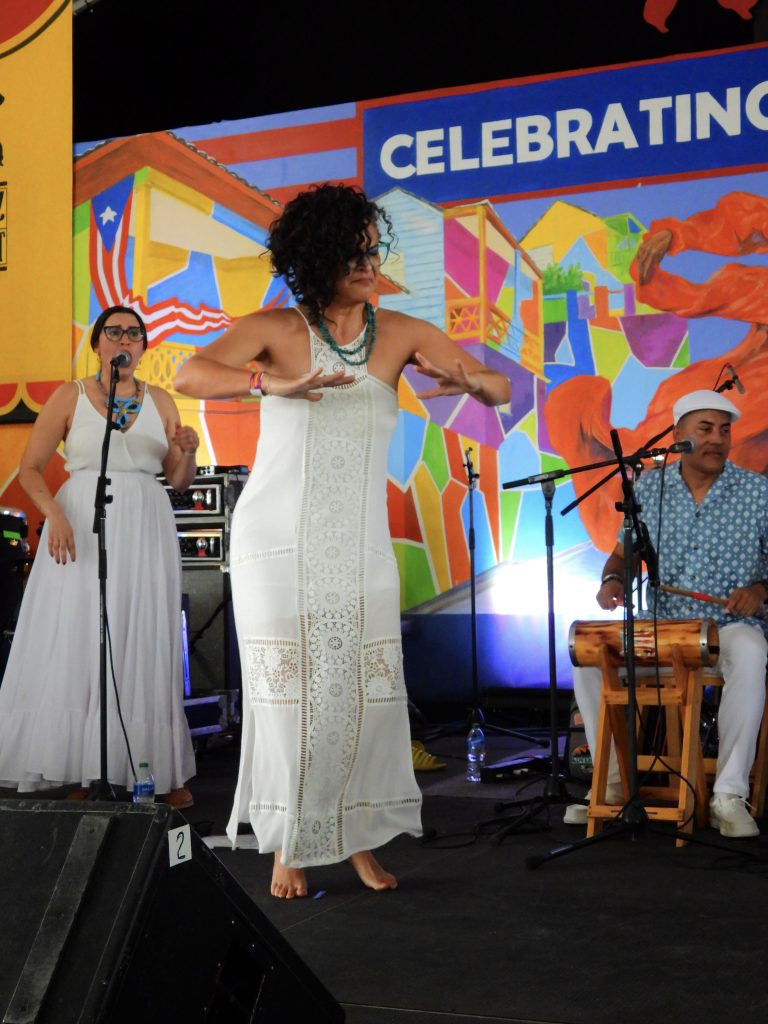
(423, 761)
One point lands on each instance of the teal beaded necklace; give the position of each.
(363, 350)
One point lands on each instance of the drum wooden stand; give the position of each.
(685, 648)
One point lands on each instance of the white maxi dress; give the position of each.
(49, 698)
(326, 768)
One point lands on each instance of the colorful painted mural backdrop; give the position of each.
(518, 209)
(35, 219)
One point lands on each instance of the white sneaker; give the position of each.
(729, 813)
(576, 814)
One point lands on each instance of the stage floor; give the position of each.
(620, 932)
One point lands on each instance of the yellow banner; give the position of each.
(35, 202)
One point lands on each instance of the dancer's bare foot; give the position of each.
(370, 872)
(288, 883)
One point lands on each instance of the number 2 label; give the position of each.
(179, 846)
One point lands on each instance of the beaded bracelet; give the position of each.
(256, 388)
(611, 576)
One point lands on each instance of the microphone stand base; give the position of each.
(101, 790)
(555, 795)
(635, 825)
(634, 816)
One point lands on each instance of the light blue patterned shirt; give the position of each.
(713, 547)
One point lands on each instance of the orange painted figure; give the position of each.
(656, 12)
(738, 225)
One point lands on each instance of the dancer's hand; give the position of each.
(454, 381)
(307, 386)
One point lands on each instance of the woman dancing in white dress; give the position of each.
(326, 769)
(49, 698)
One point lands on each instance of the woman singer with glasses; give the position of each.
(326, 769)
(49, 698)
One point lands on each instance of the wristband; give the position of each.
(611, 576)
(254, 384)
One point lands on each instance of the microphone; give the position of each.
(688, 445)
(471, 474)
(679, 446)
(121, 359)
(735, 378)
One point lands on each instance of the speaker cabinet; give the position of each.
(214, 661)
(120, 913)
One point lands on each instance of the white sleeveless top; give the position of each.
(141, 448)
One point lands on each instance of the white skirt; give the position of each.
(49, 698)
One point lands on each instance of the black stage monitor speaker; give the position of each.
(214, 662)
(119, 913)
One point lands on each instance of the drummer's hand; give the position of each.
(610, 595)
(306, 386)
(61, 539)
(746, 600)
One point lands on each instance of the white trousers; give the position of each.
(742, 663)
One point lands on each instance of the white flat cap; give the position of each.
(697, 400)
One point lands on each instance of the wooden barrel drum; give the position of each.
(698, 640)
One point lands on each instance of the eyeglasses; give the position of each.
(115, 333)
(376, 254)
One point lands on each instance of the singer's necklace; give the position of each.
(363, 350)
(124, 407)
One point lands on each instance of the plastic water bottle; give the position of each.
(475, 753)
(144, 785)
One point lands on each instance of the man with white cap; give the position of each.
(714, 540)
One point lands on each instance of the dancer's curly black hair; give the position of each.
(318, 233)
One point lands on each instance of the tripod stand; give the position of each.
(554, 789)
(476, 716)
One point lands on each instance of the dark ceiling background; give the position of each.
(147, 65)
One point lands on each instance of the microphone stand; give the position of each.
(633, 818)
(554, 791)
(101, 788)
(476, 716)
